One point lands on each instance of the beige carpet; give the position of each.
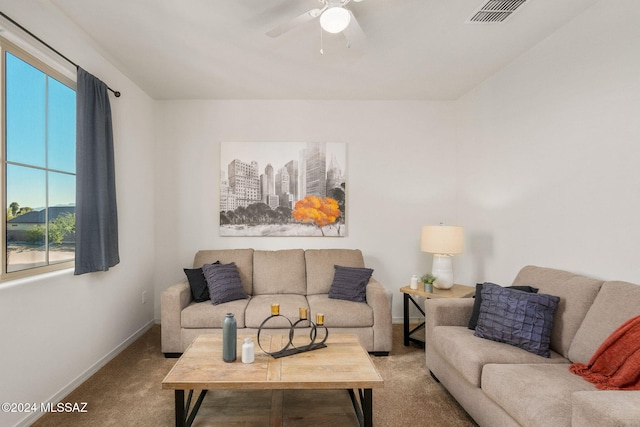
(128, 392)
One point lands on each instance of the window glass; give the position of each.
(61, 127)
(39, 165)
(26, 198)
(25, 112)
(62, 217)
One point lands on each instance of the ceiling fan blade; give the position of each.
(299, 20)
(353, 33)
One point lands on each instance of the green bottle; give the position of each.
(229, 338)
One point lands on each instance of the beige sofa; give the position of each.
(292, 278)
(502, 385)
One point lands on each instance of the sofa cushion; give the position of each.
(616, 303)
(340, 313)
(206, 315)
(243, 258)
(259, 308)
(469, 354)
(534, 395)
(350, 283)
(223, 281)
(478, 301)
(279, 272)
(320, 264)
(605, 408)
(518, 318)
(576, 293)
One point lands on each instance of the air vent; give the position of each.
(495, 11)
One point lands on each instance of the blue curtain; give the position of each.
(96, 210)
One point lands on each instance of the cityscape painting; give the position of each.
(282, 189)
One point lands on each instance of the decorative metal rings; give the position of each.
(289, 348)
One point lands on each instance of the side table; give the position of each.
(456, 291)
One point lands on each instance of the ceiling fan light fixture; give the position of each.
(335, 19)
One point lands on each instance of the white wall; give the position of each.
(58, 328)
(400, 167)
(549, 154)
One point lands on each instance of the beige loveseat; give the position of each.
(292, 278)
(502, 385)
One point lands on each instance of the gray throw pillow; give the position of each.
(350, 283)
(223, 281)
(518, 318)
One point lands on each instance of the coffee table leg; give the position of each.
(364, 409)
(179, 402)
(183, 418)
(367, 407)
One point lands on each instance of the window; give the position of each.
(38, 175)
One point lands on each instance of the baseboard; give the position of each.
(27, 421)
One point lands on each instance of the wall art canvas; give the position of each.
(283, 189)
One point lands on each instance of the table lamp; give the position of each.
(442, 241)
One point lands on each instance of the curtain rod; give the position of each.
(115, 92)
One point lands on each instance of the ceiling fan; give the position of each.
(334, 18)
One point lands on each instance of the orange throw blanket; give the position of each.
(616, 363)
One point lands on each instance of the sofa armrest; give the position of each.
(605, 408)
(380, 301)
(446, 312)
(173, 300)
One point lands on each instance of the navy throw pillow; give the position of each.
(198, 283)
(478, 300)
(518, 318)
(350, 283)
(223, 281)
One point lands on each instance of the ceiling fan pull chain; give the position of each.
(321, 45)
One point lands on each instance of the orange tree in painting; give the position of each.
(318, 210)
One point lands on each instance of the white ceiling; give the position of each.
(217, 49)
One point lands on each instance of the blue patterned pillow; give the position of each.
(517, 318)
(350, 283)
(223, 281)
(478, 301)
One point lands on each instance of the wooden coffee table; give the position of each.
(343, 364)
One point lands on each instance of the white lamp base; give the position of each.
(443, 270)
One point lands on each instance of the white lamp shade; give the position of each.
(442, 239)
(335, 19)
